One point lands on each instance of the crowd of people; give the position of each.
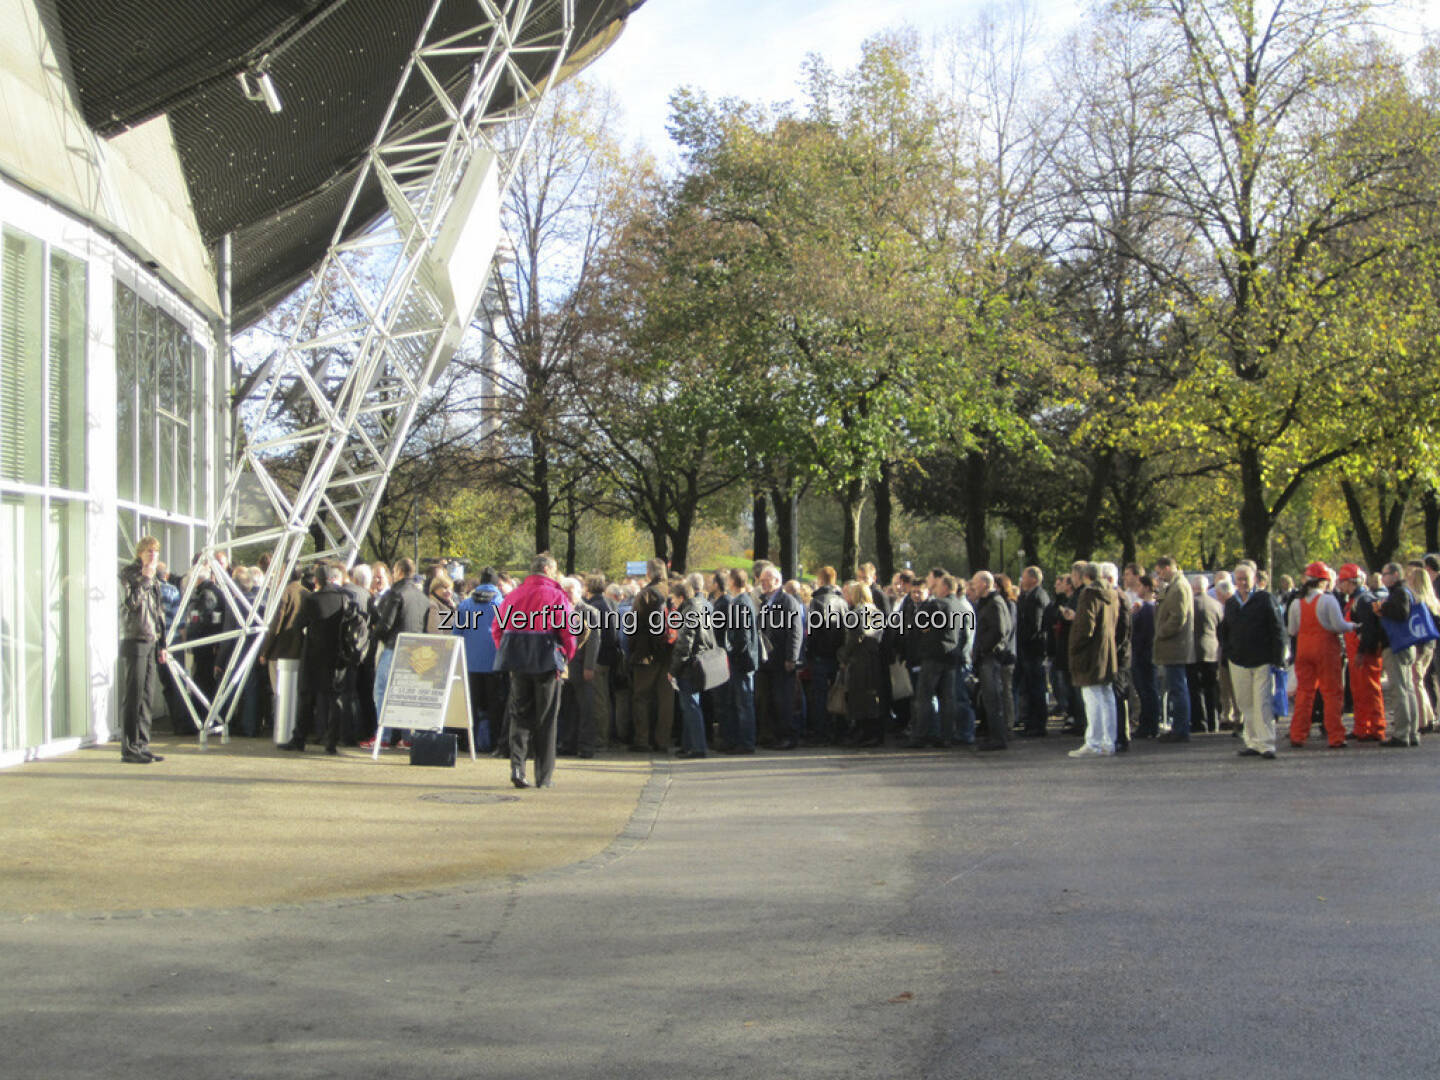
(746, 660)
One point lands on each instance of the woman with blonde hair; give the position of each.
(1420, 585)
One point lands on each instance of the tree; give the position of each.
(1288, 147)
(567, 201)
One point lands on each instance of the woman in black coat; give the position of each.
(862, 667)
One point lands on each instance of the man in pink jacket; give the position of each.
(535, 640)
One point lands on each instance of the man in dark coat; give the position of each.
(822, 643)
(403, 609)
(606, 659)
(742, 646)
(321, 673)
(1252, 635)
(781, 620)
(1030, 650)
(651, 697)
(142, 646)
(993, 664)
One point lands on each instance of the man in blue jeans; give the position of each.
(742, 646)
(1174, 645)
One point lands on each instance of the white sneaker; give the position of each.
(1084, 751)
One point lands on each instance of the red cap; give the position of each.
(1318, 570)
(1351, 572)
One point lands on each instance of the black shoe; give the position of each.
(1396, 744)
(1268, 755)
(640, 750)
(1247, 752)
(1171, 736)
(915, 744)
(585, 754)
(1122, 748)
(1027, 734)
(740, 750)
(690, 754)
(991, 745)
(154, 756)
(788, 744)
(291, 745)
(519, 781)
(136, 759)
(547, 783)
(331, 750)
(871, 743)
(1414, 741)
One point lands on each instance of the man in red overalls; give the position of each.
(1317, 624)
(1364, 651)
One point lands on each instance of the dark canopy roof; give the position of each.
(277, 181)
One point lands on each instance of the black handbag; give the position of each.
(433, 748)
(710, 668)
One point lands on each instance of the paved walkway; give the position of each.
(1176, 912)
(248, 825)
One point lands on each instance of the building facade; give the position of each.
(114, 414)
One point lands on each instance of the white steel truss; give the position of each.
(384, 312)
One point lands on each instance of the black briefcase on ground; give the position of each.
(433, 748)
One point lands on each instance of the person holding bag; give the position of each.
(694, 636)
(1402, 711)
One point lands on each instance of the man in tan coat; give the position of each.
(1174, 645)
(1093, 660)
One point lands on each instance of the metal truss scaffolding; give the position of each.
(383, 313)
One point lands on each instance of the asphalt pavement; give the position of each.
(1174, 912)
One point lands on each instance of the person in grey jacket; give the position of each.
(994, 664)
(1203, 672)
(1174, 646)
(694, 634)
(142, 647)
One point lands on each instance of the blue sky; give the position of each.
(744, 48)
(754, 48)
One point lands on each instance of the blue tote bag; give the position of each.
(1415, 630)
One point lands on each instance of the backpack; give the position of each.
(354, 640)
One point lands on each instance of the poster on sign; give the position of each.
(428, 688)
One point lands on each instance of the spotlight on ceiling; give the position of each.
(258, 86)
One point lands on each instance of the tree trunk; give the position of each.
(662, 543)
(852, 504)
(680, 537)
(1030, 541)
(884, 516)
(761, 514)
(1087, 529)
(1255, 518)
(540, 492)
(572, 526)
(977, 499)
(784, 522)
(1432, 520)
(1378, 550)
